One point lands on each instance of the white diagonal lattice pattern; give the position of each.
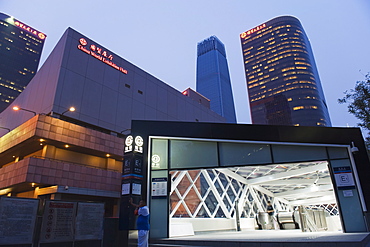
(213, 193)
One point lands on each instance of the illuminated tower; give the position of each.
(284, 87)
(20, 51)
(213, 79)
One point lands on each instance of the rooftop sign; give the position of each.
(29, 29)
(245, 34)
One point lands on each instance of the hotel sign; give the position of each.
(29, 29)
(253, 30)
(99, 54)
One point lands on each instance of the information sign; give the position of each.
(58, 221)
(89, 221)
(344, 177)
(159, 187)
(17, 220)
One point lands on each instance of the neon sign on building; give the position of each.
(99, 54)
(253, 30)
(30, 30)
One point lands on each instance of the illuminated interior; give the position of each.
(216, 183)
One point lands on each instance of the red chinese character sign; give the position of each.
(253, 30)
(30, 29)
(99, 53)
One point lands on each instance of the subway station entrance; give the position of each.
(236, 198)
(208, 178)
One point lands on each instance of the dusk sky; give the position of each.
(161, 36)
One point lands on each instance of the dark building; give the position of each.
(213, 79)
(20, 52)
(284, 87)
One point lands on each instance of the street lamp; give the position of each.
(69, 109)
(17, 108)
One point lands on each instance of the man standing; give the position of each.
(270, 211)
(142, 223)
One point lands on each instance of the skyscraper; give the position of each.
(20, 51)
(213, 79)
(283, 83)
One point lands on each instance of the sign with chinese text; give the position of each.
(159, 187)
(99, 53)
(58, 222)
(17, 220)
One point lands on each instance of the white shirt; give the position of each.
(144, 211)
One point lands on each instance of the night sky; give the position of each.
(161, 36)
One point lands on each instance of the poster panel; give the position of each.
(17, 220)
(58, 222)
(89, 221)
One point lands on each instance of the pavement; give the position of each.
(268, 238)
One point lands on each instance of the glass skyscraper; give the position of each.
(213, 78)
(20, 52)
(283, 83)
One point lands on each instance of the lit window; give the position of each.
(286, 69)
(298, 108)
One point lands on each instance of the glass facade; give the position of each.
(20, 51)
(213, 78)
(283, 84)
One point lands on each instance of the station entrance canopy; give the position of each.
(228, 172)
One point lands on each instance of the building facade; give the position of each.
(197, 97)
(283, 83)
(20, 52)
(213, 78)
(49, 152)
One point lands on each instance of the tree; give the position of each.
(358, 100)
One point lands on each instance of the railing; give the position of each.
(312, 220)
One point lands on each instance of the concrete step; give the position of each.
(172, 245)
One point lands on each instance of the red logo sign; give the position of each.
(100, 54)
(83, 41)
(30, 30)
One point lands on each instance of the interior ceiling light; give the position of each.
(108, 155)
(66, 146)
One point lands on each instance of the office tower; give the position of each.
(283, 83)
(213, 79)
(20, 51)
